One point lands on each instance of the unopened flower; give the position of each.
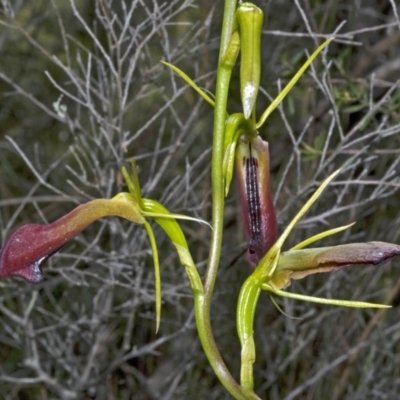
(250, 19)
(276, 268)
(29, 246)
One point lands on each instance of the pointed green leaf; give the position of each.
(305, 208)
(247, 303)
(280, 309)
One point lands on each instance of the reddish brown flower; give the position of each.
(29, 246)
(258, 210)
(296, 264)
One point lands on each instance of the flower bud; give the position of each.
(250, 19)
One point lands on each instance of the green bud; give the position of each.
(250, 19)
(230, 56)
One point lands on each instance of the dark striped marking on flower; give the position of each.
(253, 201)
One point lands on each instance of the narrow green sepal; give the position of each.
(175, 216)
(320, 236)
(267, 265)
(275, 103)
(235, 126)
(191, 83)
(320, 300)
(132, 180)
(157, 275)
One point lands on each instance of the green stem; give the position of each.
(203, 301)
(221, 100)
(202, 311)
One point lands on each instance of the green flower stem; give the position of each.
(203, 301)
(221, 99)
(202, 310)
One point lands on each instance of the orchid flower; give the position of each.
(241, 139)
(258, 210)
(25, 251)
(276, 270)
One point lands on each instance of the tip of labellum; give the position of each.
(23, 253)
(297, 264)
(32, 273)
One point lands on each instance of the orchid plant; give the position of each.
(236, 145)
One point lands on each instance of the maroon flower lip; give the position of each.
(258, 210)
(297, 264)
(31, 245)
(27, 249)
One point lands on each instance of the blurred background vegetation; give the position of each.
(82, 91)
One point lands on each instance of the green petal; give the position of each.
(235, 126)
(267, 266)
(175, 216)
(174, 231)
(320, 236)
(319, 300)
